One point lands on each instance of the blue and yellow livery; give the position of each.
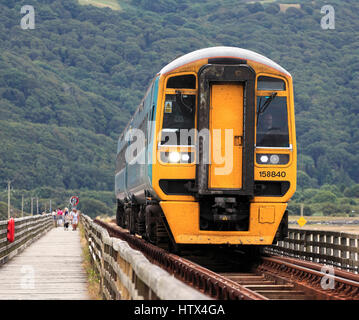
(228, 180)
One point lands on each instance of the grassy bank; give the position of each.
(93, 278)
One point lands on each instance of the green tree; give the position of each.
(324, 196)
(352, 191)
(330, 208)
(3, 210)
(93, 207)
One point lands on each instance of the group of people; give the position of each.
(65, 218)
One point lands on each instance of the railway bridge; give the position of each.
(44, 262)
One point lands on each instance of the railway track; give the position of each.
(224, 274)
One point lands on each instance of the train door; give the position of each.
(226, 109)
(226, 134)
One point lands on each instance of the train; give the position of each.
(209, 156)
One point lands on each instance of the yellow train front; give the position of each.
(218, 160)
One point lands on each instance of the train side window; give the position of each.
(269, 83)
(152, 113)
(150, 124)
(187, 81)
(144, 129)
(121, 160)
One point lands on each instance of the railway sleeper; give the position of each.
(269, 287)
(283, 294)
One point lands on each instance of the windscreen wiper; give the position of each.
(262, 108)
(179, 99)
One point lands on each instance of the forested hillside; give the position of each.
(68, 87)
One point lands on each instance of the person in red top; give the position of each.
(59, 217)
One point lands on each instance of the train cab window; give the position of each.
(179, 114)
(121, 160)
(272, 121)
(269, 83)
(187, 81)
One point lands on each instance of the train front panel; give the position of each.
(224, 149)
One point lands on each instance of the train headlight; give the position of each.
(272, 159)
(185, 157)
(264, 159)
(177, 157)
(174, 157)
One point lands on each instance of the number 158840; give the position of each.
(272, 174)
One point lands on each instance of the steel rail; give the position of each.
(206, 281)
(305, 275)
(317, 266)
(308, 275)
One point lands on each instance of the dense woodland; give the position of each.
(68, 88)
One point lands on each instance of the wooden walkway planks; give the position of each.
(51, 268)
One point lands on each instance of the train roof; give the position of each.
(216, 52)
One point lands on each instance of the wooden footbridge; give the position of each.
(46, 263)
(50, 268)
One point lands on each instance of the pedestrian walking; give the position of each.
(59, 217)
(66, 221)
(75, 219)
(54, 217)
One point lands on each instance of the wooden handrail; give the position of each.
(340, 249)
